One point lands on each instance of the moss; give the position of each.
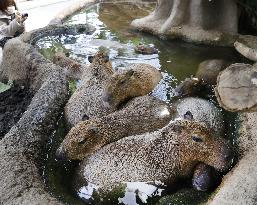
(72, 86)
(185, 197)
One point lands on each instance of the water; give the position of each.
(175, 59)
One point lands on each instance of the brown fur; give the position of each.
(164, 156)
(86, 102)
(74, 69)
(137, 80)
(142, 114)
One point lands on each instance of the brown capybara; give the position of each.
(136, 80)
(74, 69)
(140, 115)
(162, 156)
(87, 101)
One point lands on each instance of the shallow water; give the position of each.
(176, 60)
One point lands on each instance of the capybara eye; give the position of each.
(83, 141)
(106, 58)
(197, 139)
(122, 82)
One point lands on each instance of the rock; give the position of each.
(22, 147)
(140, 115)
(171, 19)
(163, 156)
(209, 70)
(247, 130)
(184, 197)
(236, 88)
(240, 184)
(247, 46)
(107, 44)
(145, 49)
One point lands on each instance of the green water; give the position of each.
(176, 60)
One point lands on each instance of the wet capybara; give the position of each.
(87, 101)
(136, 80)
(164, 156)
(140, 115)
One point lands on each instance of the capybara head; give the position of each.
(100, 62)
(83, 139)
(189, 87)
(137, 80)
(197, 144)
(63, 60)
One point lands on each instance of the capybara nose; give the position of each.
(60, 155)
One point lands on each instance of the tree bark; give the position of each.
(196, 20)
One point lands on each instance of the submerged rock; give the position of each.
(184, 197)
(145, 49)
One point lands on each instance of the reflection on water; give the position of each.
(176, 60)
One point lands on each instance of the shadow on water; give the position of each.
(176, 60)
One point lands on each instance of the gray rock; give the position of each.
(21, 149)
(236, 88)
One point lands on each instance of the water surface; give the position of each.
(176, 60)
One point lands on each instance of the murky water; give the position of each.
(176, 60)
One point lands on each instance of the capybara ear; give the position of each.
(106, 58)
(188, 116)
(130, 72)
(90, 59)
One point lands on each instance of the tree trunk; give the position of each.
(209, 21)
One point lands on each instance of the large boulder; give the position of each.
(240, 184)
